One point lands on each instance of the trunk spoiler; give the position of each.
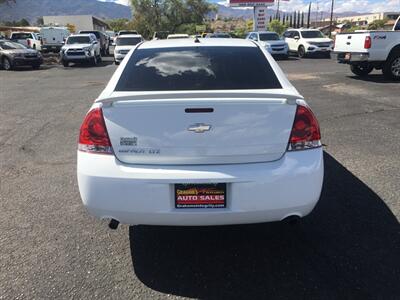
(225, 96)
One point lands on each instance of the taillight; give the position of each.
(367, 42)
(305, 131)
(93, 137)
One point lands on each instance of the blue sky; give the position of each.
(340, 6)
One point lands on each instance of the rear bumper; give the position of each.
(51, 48)
(144, 194)
(350, 57)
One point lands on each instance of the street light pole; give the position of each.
(331, 22)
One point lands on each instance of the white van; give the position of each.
(53, 38)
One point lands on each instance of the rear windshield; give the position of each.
(312, 34)
(128, 41)
(78, 40)
(21, 36)
(197, 68)
(269, 37)
(5, 45)
(127, 32)
(96, 33)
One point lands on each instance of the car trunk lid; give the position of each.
(202, 130)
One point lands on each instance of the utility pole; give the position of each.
(277, 10)
(331, 22)
(309, 15)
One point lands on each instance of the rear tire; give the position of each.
(7, 65)
(361, 71)
(391, 69)
(301, 52)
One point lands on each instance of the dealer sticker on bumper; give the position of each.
(200, 195)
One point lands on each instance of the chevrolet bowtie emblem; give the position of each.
(199, 128)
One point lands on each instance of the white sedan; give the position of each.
(199, 132)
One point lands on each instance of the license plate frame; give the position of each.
(200, 196)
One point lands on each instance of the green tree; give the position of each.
(168, 15)
(377, 24)
(277, 26)
(119, 24)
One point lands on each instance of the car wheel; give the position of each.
(65, 64)
(7, 64)
(34, 47)
(391, 69)
(361, 70)
(117, 63)
(301, 52)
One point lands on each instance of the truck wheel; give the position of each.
(7, 64)
(391, 69)
(360, 70)
(301, 52)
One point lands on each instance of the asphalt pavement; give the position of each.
(50, 248)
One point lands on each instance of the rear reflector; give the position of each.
(367, 42)
(93, 136)
(305, 131)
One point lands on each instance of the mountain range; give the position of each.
(32, 9)
(106, 9)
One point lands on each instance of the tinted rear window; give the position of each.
(197, 68)
(96, 33)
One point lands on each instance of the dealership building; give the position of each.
(80, 22)
(367, 19)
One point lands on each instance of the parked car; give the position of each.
(178, 36)
(207, 133)
(28, 39)
(368, 50)
(81, 48)
(306, 42)
(221, 35)
(15, 54)
(53, 38)
(271, 42)
(123, 44)
(103, 40)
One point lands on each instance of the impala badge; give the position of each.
(199, 128)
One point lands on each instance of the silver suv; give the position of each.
(80, 48)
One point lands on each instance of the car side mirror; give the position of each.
(296, 37)
(95, 43)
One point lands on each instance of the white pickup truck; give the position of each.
(28, 39)
(368, 50)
